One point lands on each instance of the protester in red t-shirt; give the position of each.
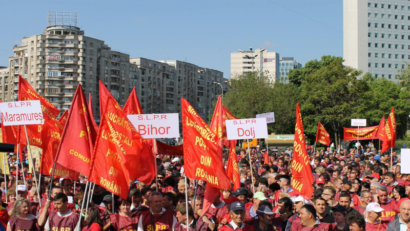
(390, 206)
(93, 220)
(238, 215)
(309, 222)
(374, 221)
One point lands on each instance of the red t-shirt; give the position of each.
(390, 210)
(93, 227)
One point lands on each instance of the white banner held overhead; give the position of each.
(270, 117)
(21, 113)
(240, 129)
(156, 125)
(358, 123)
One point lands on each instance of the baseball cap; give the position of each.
(299, 199)
(340, 208)
(176, 159)
(374, 175)
(373, 206)
(107, 198)
(240, 191)
(21, 188)
(320, 180)
(235, 206)
(264, 210)
(260, 196)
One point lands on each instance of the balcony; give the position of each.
(83, 46)
(40, 78)
(116, 67)
(70, 45)
(115, 83)
(53, 36)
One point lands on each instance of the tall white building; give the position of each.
(261, 60)
(55, 61)
(376, 36)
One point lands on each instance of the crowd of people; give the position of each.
(354, 189)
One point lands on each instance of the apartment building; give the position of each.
(286, 64)
(260, 60)
(60, 58)
(376, 36)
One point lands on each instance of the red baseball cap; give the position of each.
(320, 180)
(374, 175)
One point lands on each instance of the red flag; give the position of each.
(52, 137)
(266, 156)
(63, 118)
(50, 112)
(133, 106)
(391, 123)
(232, 169)
(124, 158)
(322, 136)
(218, 124)
(170, 150)
(104, 94)
(302, 177)
(27, 92)
(78, 137)
(205, 162)
(381, 133)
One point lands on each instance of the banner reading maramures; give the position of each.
(200, 148)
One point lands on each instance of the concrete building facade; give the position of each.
(286, 64)
(260, 60)
(376, 36)
(55, 61)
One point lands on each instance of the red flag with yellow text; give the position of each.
(90, 109)
(218, 124)
(322, 136)
(52, 137)
(381, 132)
(121, 146)
(78, 137)
(232, 169)
(266, 157)
(302, 177)
(63, 117)
(391, 124)
(205, 162)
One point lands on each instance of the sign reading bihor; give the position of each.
(255, 128)
(21, 113)
(270, 117)
(156, 125)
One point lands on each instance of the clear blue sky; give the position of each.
(203, 32)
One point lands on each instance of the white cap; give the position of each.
(257, 146)
(22, 188)
(176, 159)
(375, 207)
(299, 198)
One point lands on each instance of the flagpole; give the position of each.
(39, 185)
(391, 159)
(186, 204)
(156, 169)
(31, 161)
(77, 227)
(17, 168)
(314, 149)
(22, 170)
(112, 201)
(5, 177)
(90, 198)
(196, 187)
(250, 164)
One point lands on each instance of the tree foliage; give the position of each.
(327, 91)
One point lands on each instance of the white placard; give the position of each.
(255, 128)
(405, 158)
(270, 117)
(358, 123)
(156, 125)
(21, 113)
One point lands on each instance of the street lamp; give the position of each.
(253, 56)
(222, 88)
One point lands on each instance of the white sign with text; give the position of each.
(270, 117)
(255, 128)
(156, 125)
(358, 123)
(405, 158)
(21, 113)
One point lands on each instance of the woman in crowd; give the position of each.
(399, 193)
(20, 218)
(124, 220)
(93, 220)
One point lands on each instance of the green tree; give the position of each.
(331, 95)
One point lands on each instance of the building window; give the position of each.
(369, 24)
(402, 27)
(370, 55)
(375, 25)
(402, 56)
(375, 5)
(402, 36)
(376, 45)
(369, 14)
(396, 66)
(376, 75)
(382, 65)
(369, 4)
(389, 76)
(369, 35)
(389, 56)
(389, 15)
(388, 26)
(389, 46)
(375, 35)
(396, 36)
(389, 6)
(382, 25)
(402, 47)
(395, 7)
(396, 46)
(370, 65)
(389, 65)
(395, 16)
(402, 66)
(369, 44)
(395, 26)
(382, 35)
(382, 6)
(376, 65)
(382, 55)
(396, 56)
(376, 55)
(382, 45)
